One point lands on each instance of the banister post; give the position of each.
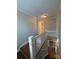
(32, 47)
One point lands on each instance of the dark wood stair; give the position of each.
(24, 51)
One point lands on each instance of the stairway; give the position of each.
(24, 51)
(20, 55)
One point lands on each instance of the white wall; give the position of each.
(51, 24)
(26, 25)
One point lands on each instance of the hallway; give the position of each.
(36, 20)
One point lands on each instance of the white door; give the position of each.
(41, 26)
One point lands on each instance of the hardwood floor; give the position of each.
(51, 54)
(51, 50)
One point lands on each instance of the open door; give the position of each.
(41, 26)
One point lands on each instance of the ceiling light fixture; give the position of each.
(44, 16)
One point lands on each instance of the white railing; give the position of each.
(36, 42)
(51, 33)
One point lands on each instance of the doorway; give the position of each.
(41, 26)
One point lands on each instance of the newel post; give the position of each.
(32, 47)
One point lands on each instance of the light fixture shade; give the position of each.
(44, 15)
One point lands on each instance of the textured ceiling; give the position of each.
(38, 7)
